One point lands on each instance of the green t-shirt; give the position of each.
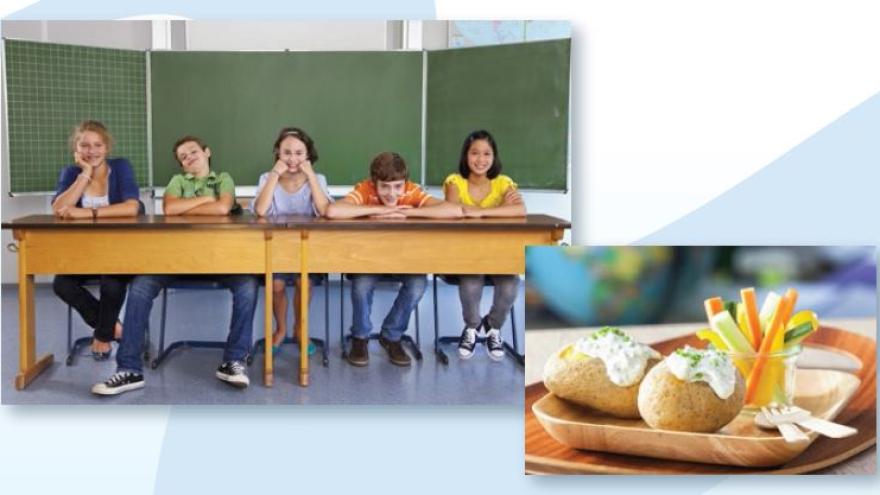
(189, 186)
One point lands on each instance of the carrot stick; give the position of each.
(784, 311)
(714, 305)
(754, 323)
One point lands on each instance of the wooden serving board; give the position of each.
(739, 442)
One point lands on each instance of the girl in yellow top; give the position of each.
(482, 191)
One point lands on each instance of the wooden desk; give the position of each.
(246, 244)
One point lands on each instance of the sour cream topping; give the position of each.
(711, 366)
(625, 359)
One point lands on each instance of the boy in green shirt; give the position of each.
(197, 191)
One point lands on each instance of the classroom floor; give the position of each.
(187, 375)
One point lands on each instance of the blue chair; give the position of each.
(344, 339)
(184, 284)
(439, 341)
(74, 346)
(323, 344)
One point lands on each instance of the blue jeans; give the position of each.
(397, 320)
(144, 289)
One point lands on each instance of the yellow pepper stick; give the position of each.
(713, 338)
(779, 319)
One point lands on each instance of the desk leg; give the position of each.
(304, 311)
(268, 374)
(29, 367)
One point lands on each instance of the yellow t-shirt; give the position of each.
(497, 187)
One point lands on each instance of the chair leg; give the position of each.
(146, 344)
(69, 335)
(73, 346)
(416, 345)
(160, 352)
(255, 349)
(514, 351)
(441, 356)
(342, 315)
(325, 359)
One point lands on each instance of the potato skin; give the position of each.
(582, 379)
(667, 403)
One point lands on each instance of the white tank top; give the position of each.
(95, 201)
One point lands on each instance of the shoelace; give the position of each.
(236, 367)
(117, 378)
(494, 340)
(470, 337)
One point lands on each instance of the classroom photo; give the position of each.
(683, 360)
(231, 212)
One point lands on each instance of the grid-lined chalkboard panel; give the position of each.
(50, 87)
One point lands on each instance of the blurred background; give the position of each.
(629, 285)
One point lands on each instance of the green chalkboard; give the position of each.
(51, 87)
(518, 92)
(353, 104)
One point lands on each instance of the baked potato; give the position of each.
(584, 380)
(668, 402)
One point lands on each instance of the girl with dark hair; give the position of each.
(291, 187)
(482, 191)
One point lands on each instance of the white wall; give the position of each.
(223, 35)
(300, 35)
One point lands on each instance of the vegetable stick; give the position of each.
(779, 338)
(779, 320)
(713, 306)
(754, 322)
(794, 333)
(723, 324)
(771, 304)
(713, 338)
(742, 324)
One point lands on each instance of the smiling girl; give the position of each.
(482, 191)
(95, 186)
(291, 187)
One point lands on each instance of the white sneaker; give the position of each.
(494, 344)
(467, 343)
(121, 381)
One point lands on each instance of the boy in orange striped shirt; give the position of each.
(387, 194)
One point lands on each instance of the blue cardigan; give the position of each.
(121, 187)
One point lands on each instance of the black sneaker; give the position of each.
(359, 354)
(467, 342)
(494, 344)
(396, 354)
(233, 373)
(121, 381)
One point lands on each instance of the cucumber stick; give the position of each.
(726, 328)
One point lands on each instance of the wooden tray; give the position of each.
(739, 443)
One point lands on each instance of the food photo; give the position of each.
(700, 360)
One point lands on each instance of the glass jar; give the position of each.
(774, 381)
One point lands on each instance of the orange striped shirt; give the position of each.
(365, 193)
